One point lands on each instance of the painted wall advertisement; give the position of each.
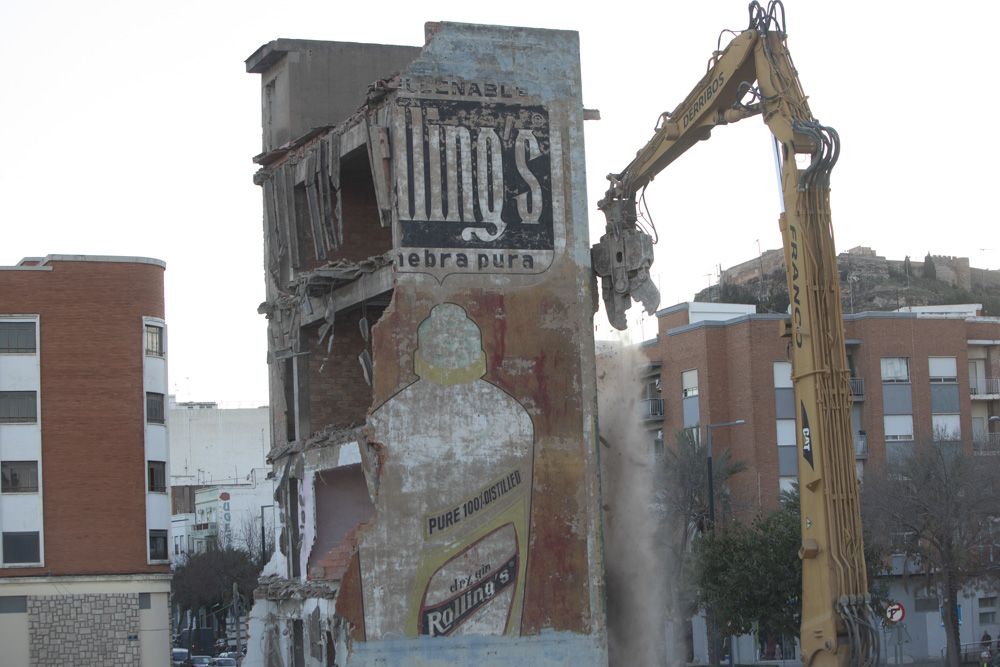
(456, 433)
(473, 181)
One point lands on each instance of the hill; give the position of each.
(867, 282)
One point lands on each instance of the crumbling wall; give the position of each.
(339, 394)
(342, 507)
(454, 199)
(486, 502)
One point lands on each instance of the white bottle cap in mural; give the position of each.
(450, 347)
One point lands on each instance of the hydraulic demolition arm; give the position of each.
(754, 75)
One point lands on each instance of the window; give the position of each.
(787, 484)
(902, 541)
(20, 548)
(987, 617)
(19, 476)
(17, 337)
(157, 475)
(144, 601)
(157, 545)
(782, 375)
(942, 369)
(786, 432)
(154, 408)
(947, 427)
(653, 388)
(13, 604)
(926, 601)
(298, 644)
(18, 407)
(898, 427)
(154, 340)
(689, 383)
(988, 602)
(895, 369)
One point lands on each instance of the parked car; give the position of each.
(178, 657)
(197, 660)
(224, 662)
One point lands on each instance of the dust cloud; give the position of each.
(634, 515)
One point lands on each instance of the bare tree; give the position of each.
(937, 507)
(206, 580)
(248, 536)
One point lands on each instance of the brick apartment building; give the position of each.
(84, 509)
(931, 373)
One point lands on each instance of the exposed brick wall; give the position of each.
(363, 234)
(92, 414)
(338, 393)
(669, 321)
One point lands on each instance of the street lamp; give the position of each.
(713, 631)
(708, 452)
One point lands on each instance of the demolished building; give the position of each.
(429, 305)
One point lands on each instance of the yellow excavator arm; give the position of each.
(754, 75)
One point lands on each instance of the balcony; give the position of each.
(651, 409)
(986, 443)
(987, 389)
(860, 446)
(206, 529)
(858, 389)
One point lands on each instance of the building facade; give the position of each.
(236, 515)
(84, 509)
(210, 444)
(428, 296)
(926, 374)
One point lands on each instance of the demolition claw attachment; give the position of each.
(622, 259)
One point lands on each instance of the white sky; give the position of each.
(128, 129)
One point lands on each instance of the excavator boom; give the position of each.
(754, 75)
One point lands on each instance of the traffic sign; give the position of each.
(895, 612)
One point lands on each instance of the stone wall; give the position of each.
(953, 270)
(865, 267)
(985, 278)
(867, 264)
(84, 630)
(750, 270)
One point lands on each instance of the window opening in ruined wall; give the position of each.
(298, 641)
(293, 524)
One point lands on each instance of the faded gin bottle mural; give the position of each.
(466, 542)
